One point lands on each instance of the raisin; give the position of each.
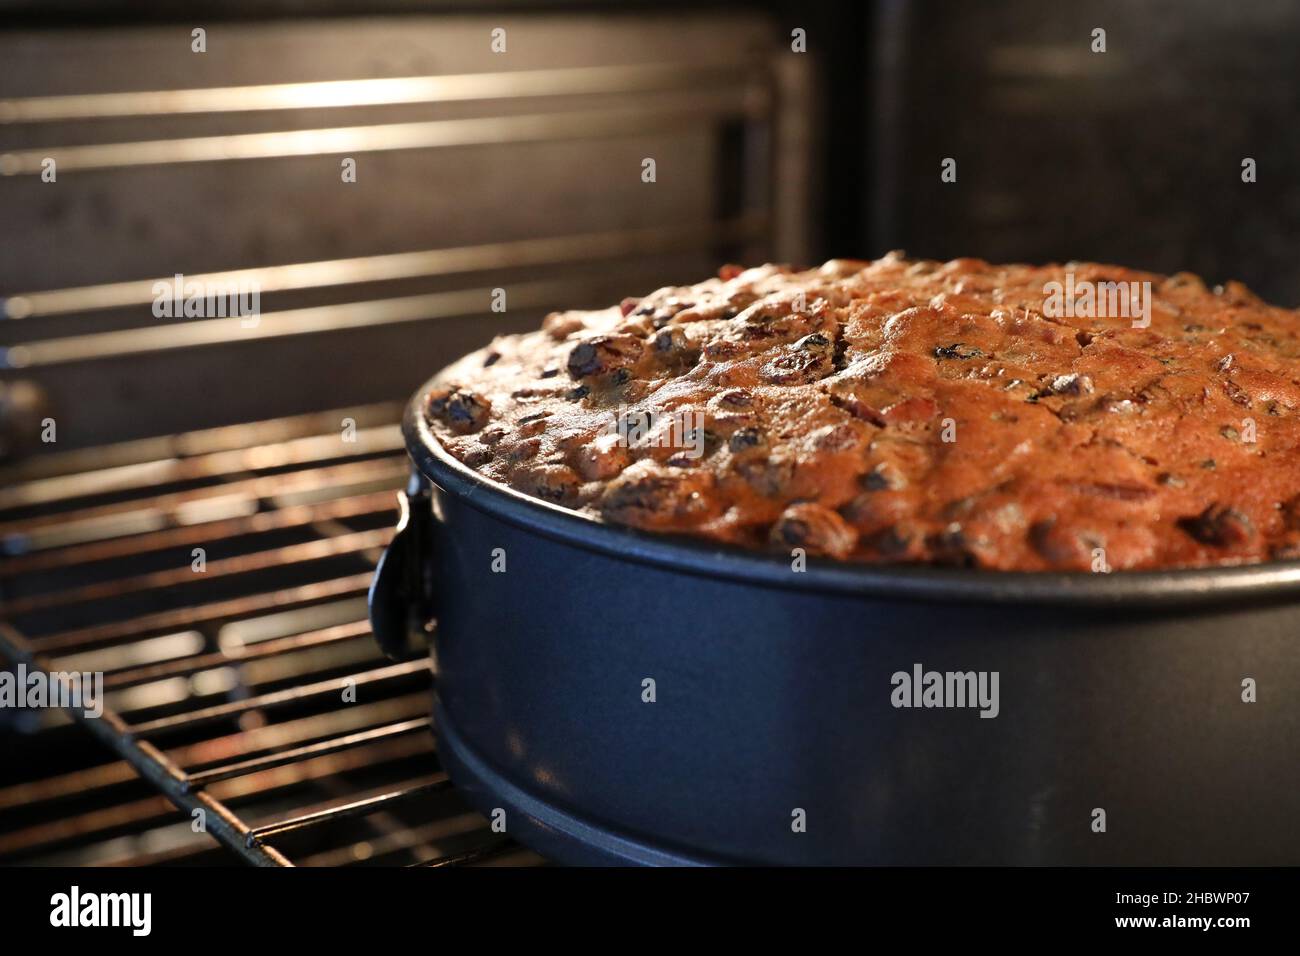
(892, 542)
(670, 340)
(881, 478)
(668, 311)
(603, 353)
(651, 499)
(673, 349)
(584, 360)
(460, 410)
(745, 438)
(797, 366)
(1236, 393)
(1219, 526)
(1291, 514)
(767, 477)
(952, 546)
(1062, 546)
(815, 528)
(957, 351)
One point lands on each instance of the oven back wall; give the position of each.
(1132, 155)
(546, 139)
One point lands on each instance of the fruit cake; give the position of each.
(1009, 417)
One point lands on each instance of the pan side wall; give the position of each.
(769, 702)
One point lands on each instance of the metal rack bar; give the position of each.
(386, 137)
(407, 838)
(357, 808)
(233, 708)
(269, 737)
(476, 855)
(148, 475)
(318, 549)
(337, 94)
(193, 443)
(273, 648)
(218, 611)
(262, 522)
(292, 322)
(57, 788)
(83, 825)
(425, 263)
(201, 779)
(190, 507)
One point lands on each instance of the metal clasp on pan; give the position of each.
(401, 593)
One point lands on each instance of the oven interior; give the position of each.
(399, 187)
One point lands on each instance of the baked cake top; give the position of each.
(1077, 416)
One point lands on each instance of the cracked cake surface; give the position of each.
(907, 411)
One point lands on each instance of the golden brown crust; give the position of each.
(908, 412)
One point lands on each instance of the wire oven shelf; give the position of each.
(248, 694)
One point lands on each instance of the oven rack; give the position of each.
(224, 688)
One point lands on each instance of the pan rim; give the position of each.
(682, 553)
